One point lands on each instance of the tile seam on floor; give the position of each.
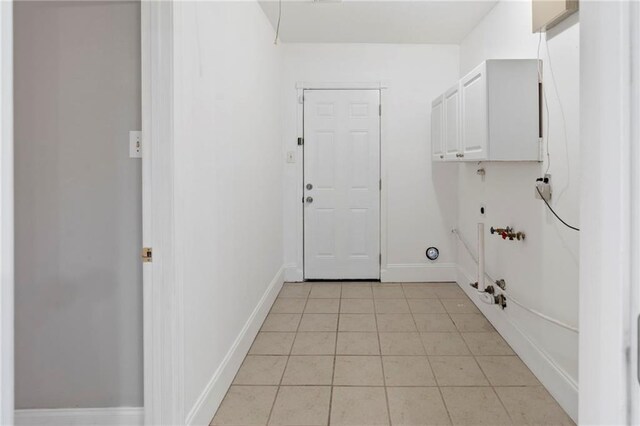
(384, 385)
(444, 404)
(335, 354)
(273, 405)
(384, 380)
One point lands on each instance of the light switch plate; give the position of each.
(135, 144)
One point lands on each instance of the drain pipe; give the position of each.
(485, 293)
(503, 296)
(481, 284)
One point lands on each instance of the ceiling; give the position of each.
(391, 21)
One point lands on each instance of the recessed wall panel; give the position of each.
(324, 167)
(359, 147)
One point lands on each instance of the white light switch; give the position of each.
(135, 144)
(291, 157)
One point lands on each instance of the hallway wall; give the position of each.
(228, 169)
(541, 272)
(78, 202)
(418, 201)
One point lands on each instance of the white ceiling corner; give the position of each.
(388, 21)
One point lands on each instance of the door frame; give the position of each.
(610, 202)
(163, 394)
(162, 290)
(6, 216)
(301, 86)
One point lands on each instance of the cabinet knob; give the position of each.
(441, 156)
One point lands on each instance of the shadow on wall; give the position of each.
(445, 177)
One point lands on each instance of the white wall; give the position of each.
(542, 271)
(78, 205)
(418, 209)
(228, 168)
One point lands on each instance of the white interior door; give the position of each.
(341, 184)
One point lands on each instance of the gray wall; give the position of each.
(78, 205)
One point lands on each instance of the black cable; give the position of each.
(554, 213)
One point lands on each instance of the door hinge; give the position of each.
(380, 109)
(300, 141)
(147, 254)
(380, 184)
(380, 258)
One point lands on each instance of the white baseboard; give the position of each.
(559, 384)
(418, 272)
(207, 403)
(111, 416)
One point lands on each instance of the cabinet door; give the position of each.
(437, 121)
(452, 123)
(474, 115)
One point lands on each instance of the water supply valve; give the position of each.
(501, 300)
(508, 233)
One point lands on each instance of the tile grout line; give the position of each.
(384, 381)
(475, 357)
(335, 352)
(288, 358)
(243, 361)
(481, 370)
(493, 388)
(435, 379)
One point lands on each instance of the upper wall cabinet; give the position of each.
(437, 124)
(451, 101)
(492, 114)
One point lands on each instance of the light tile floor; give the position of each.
(382, 354)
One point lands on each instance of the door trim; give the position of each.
(609, 195)
(6, 216)
(296, 272)
(162, 290)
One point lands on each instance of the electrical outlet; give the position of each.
(543, 187)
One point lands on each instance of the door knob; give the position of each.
(309, 186)
(309, 200)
